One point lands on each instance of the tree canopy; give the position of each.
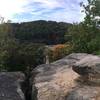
(85, 36)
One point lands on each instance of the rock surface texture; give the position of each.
(89, 87)
(88, 67)
(60, 80)
(10, 86)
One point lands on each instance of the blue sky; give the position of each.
(29, 10)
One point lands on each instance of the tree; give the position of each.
(79, 36)
(92, 11)
(48, 32)
(85, 36)
(5, 40)
(24, 57)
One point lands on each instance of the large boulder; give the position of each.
(10, 88)
(53, 81)
(88, 86)
(88, 67)
(60, 80)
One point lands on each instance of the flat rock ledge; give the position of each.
(60, 80)
(10, 86)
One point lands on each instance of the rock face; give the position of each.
(89, 88)
(57, 81)
(10, 86)
(88, 67)
(84, 92)
(54, 80)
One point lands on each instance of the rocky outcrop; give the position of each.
(84, 92)
(54, 80)
(10, 88)
(57, 81)
(88, 67)
(88, 87)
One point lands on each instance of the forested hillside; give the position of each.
(47, 32)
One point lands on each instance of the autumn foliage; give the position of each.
(59, 51)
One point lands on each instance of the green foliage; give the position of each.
(18, 48)
(94, 45)
(16, 56)
(92, 11)
(26, 55)
(84, 39)
(48, 32)
(97, 52)
(85, 36)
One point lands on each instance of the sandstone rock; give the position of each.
(84, 93)
(88, 67)
(54, 80)
(10, 86)
(57, 81)
(89, 70)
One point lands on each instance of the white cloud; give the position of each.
(10, 7)
(49, 3)
(70, 11)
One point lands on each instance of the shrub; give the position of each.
(22, 56)
(59, 51)
(94, 45)
(97, 52)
